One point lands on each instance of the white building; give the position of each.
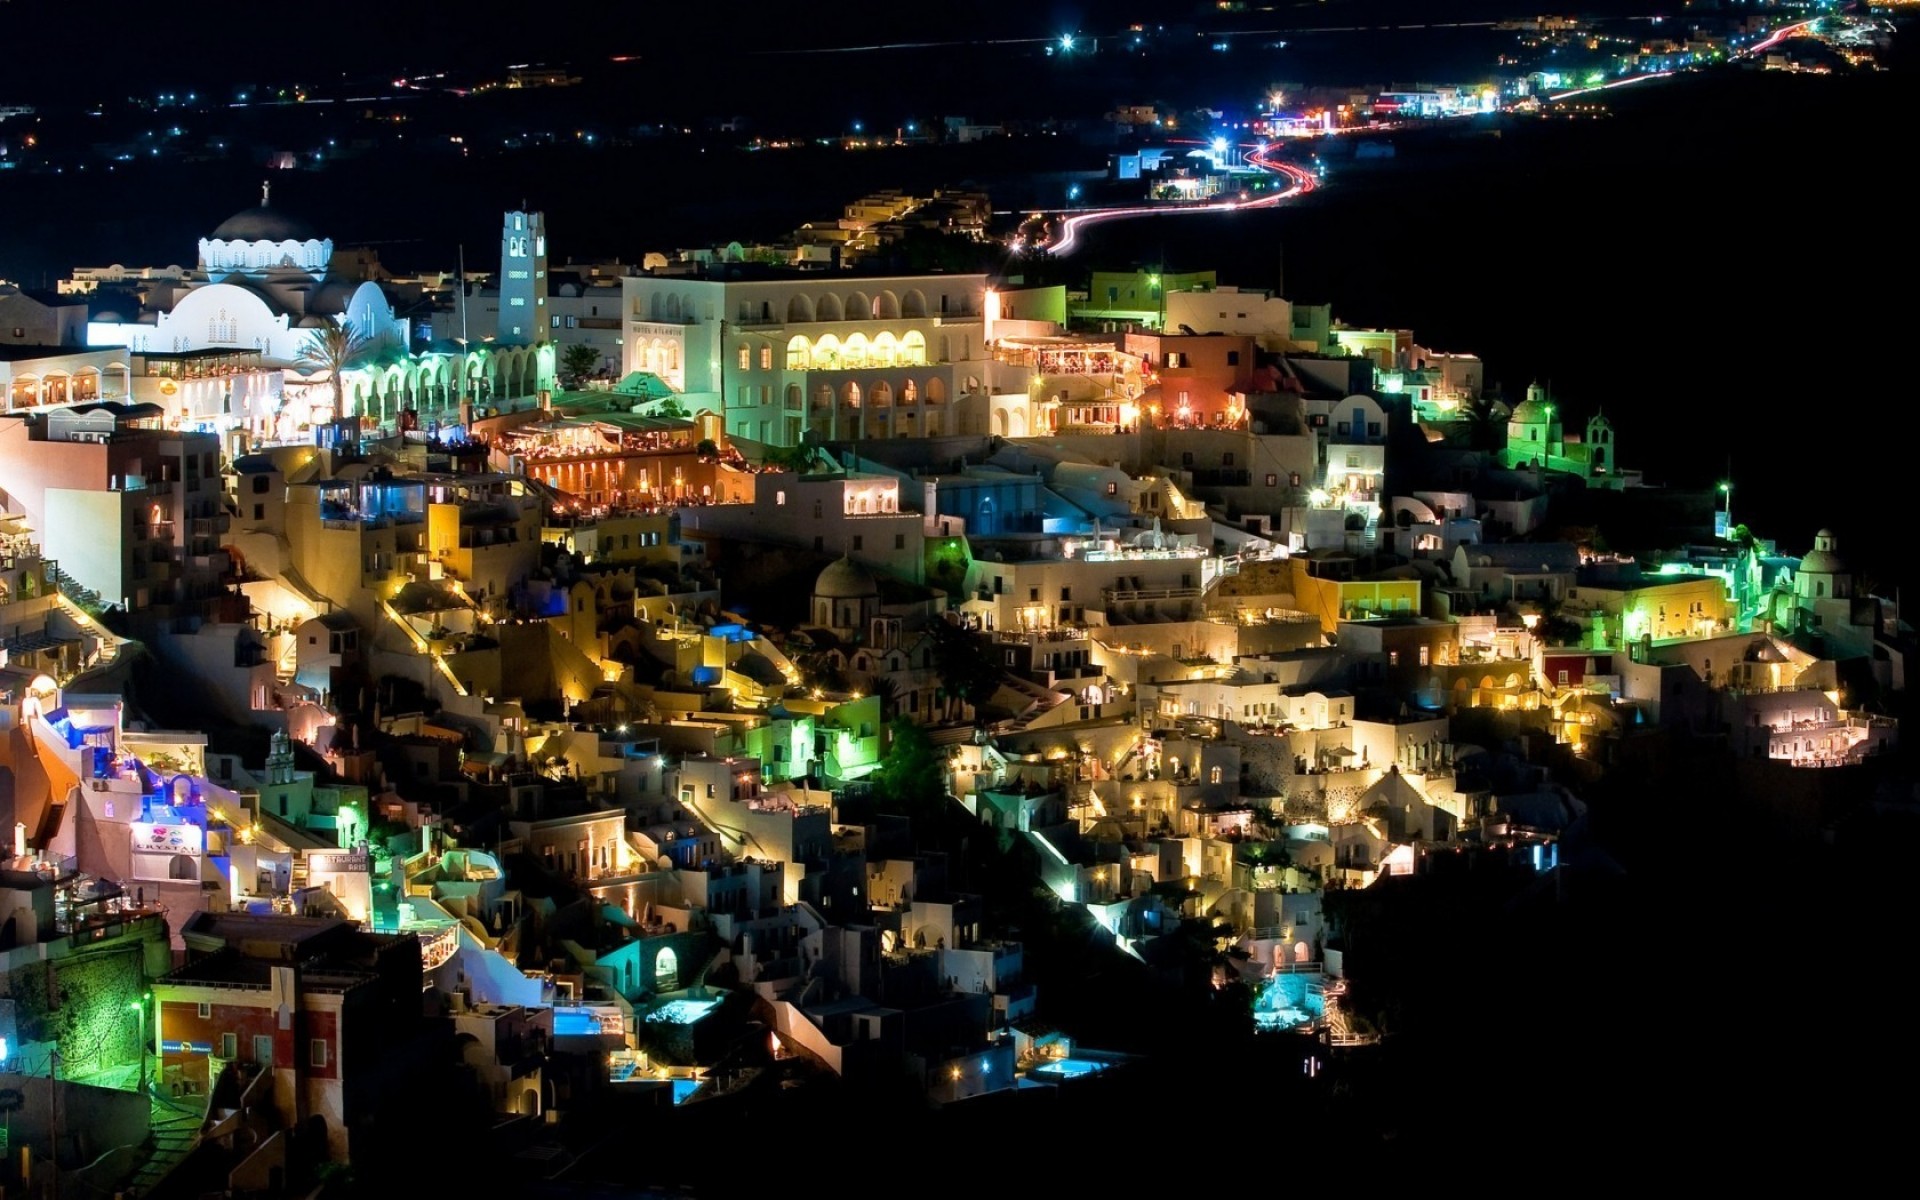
(262, 281)
(842, 356)
(1261, 315)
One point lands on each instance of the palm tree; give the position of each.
(1485, 423)
(331, 348)
(888, 690)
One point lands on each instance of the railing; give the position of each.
(1128, 595)
(1017, 638)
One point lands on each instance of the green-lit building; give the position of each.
(1135, 299)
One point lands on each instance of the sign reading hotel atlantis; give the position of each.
(167, 852)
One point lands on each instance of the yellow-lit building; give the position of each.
(1324, 587)
(1631, 607)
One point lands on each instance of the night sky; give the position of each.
(213, 42)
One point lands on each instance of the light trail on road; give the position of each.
(1303, 181)
(1760, 47)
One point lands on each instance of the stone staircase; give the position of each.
(175, 1133)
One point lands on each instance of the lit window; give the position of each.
(317, 1052)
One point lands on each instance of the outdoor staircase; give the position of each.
(1043, 701)
(175, 1131)
(71, 588)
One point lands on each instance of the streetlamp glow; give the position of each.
(1219, 145)
(139, 1007)
(1066, 43)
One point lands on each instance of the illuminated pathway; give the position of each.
(1302, 179)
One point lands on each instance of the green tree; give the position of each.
(913, 776)
(966, 663)
(801, 460)
(671, 407)
(578, 363)
(332, 348)
(706, 451)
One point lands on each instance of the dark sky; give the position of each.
(207, 43)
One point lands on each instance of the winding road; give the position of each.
(1300, 179)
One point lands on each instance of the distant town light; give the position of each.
(1066, 42)
(1219, 145)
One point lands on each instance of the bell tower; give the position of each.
(523, 279)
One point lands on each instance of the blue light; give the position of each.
(1219, 145)
(1066, 42)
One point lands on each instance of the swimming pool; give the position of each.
(1067, 1068)
(681, 1012)
(575, 1022)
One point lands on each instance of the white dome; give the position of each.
(845, 579)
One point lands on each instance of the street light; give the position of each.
(140, 1009)
(1726, 505)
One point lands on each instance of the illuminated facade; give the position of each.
(844, 357)
(136, 508)
(523, 279)
(1629, 607)
(859, 515)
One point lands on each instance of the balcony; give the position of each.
(1015, 638)
(1145, 595)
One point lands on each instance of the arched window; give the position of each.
(826, 354)
(798, 354)
(909, 393)
(855, 352)
(746, 356)
(851, 394)
(666, 970)
(913, 349)
(885, 350)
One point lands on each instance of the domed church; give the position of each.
(845, 599)
(264, 279)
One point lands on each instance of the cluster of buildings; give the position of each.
(542, 750)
